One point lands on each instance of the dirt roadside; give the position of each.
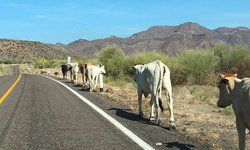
(195, 112)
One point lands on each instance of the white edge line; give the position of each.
(126, 131)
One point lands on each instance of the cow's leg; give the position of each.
(157, 108)
(83, 78)
(241, 127)
(170, 103)
(91, 81)
(139, 92)
(71, 76)
(75, 78)
(152, 114)
(96, 81)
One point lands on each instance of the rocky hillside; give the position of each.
(168, 39)
(29, 50)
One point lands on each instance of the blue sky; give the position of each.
(52, 21)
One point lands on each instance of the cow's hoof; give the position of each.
(172, 126)
(141, 114)
(152, 118)
(157, 121)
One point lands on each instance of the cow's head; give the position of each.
(102, 69)
(225, 86)
(137, 68)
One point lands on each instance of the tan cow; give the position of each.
(236, 92)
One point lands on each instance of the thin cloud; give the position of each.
(40, 16)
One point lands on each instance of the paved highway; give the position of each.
(40, 113)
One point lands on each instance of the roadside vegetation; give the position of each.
(189, 67)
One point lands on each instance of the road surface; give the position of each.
(39, 113)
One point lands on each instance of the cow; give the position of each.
(83, 70)
(152, 78)
(236, 92)
(64, 69)
(73, 68)
(93, 72)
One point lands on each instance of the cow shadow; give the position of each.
(68, 82)
(180, 146)
(129, 115)
(84, 88)
(77, 85)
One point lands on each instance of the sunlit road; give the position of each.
(41, 114)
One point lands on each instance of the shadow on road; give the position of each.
(127, 114)
(179, 146)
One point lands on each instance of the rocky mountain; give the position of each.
(168, 39)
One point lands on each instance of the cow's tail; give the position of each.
(160, 85)
(160, 104)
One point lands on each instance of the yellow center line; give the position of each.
(9, 90)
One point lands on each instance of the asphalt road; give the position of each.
(42, 114)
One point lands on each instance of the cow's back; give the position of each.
(149, 77)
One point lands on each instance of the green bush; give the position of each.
(113, 59)
(197, 65)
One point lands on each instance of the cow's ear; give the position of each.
(221, 76)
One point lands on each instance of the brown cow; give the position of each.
(83, 70)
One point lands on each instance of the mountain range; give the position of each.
(167, 39)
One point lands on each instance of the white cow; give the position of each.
(152, 78)
(236, 92)
(73, 72)
(93, 73)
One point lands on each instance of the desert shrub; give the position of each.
(147, 57)
(143, 58)
(13, 61)
(177, 75)
(233, 59)
(197, 65)
(113, 59)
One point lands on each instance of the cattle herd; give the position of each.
(154, 77)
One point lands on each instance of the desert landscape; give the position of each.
(195, 111)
